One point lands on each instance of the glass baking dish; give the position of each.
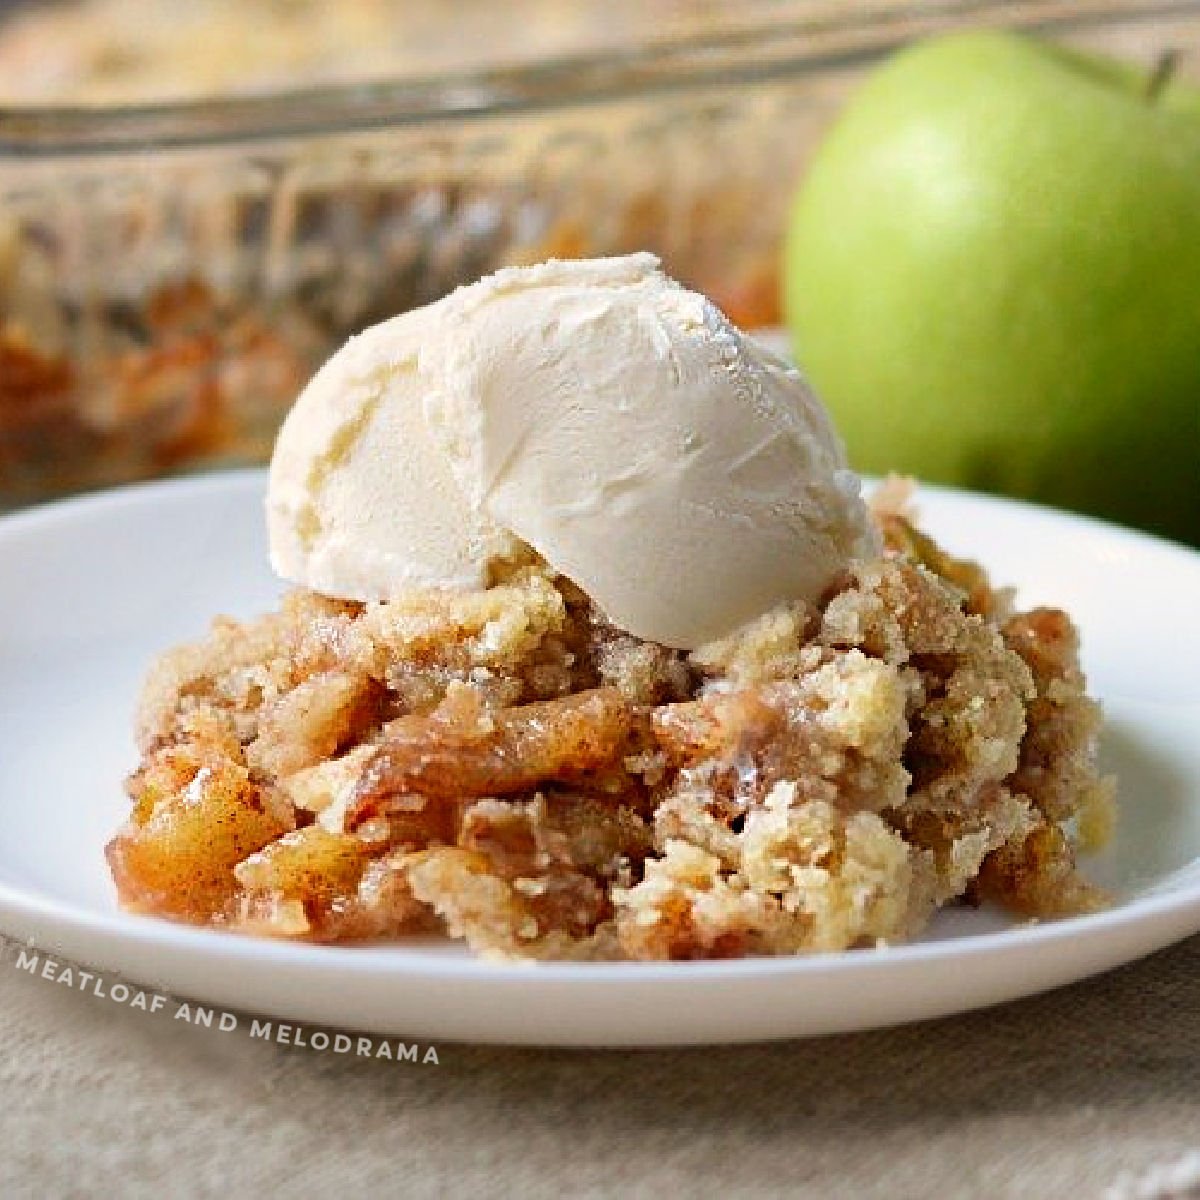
(171, 273)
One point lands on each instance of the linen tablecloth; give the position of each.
(1092, 1090)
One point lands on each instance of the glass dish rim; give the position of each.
(741, 57)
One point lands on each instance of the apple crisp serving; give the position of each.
(504, 766)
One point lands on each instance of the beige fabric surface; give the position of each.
(1093, 1090)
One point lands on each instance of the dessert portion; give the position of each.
(600, 655)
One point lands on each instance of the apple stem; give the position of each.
(1164, 70)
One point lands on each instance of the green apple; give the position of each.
(993, 277)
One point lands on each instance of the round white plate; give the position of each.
(93, 588)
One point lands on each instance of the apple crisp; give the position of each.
(507, 768)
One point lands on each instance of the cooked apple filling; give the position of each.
(509, 769)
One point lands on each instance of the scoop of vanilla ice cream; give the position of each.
(685, 478)
(361, 502)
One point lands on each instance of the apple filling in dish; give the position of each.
(507, 768)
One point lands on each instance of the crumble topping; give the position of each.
(507, 768)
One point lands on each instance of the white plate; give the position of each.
(93, 588)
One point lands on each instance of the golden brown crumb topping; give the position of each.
(506, 767)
